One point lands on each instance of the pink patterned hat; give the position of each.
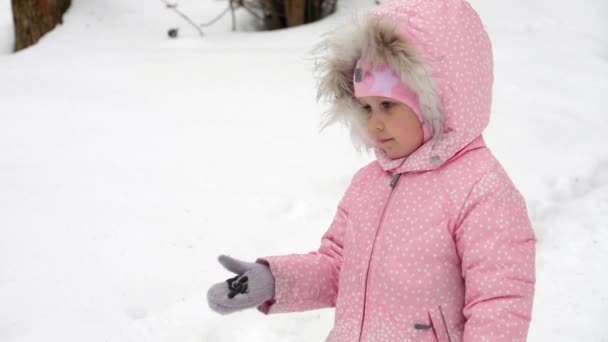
(382, 80)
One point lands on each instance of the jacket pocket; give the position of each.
(440, 324)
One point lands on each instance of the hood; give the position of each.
(440, 50)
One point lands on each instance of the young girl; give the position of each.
(431, 242)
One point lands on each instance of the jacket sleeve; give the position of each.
(496, 244)
(308, 281)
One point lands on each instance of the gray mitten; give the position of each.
(253, 285)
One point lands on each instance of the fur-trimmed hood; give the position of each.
(440, 50)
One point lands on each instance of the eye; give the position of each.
(387, 105)
(366, 108)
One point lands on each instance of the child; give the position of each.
(431, 242)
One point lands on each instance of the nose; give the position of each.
(375, 123)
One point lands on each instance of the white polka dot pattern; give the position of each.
(454, 244)
(449, 253)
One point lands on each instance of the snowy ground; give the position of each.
(129, 161)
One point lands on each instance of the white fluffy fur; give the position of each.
(376, 39)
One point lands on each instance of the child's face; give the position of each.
(392, 126)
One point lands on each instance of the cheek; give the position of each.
(408, 131)
(370, 125)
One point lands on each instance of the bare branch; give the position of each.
(214, 20)
(231, 5)
(181, 14)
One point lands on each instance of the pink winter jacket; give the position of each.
(436, 246)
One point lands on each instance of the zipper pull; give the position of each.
(423, 326)
(395, 180)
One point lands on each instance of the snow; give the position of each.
(6, 27)
(129, 161)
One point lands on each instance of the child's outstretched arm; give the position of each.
(308, 281)
(496, 244)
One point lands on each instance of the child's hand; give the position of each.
(253, 285)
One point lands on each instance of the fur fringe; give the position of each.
(377, 40)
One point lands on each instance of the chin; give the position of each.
(397, 155)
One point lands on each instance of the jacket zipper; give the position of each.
(393, 185)
(445, 325)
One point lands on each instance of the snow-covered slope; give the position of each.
(129, 161)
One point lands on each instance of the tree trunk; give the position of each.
(34, 18)
(295, 11)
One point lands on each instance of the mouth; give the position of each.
(384, 141)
